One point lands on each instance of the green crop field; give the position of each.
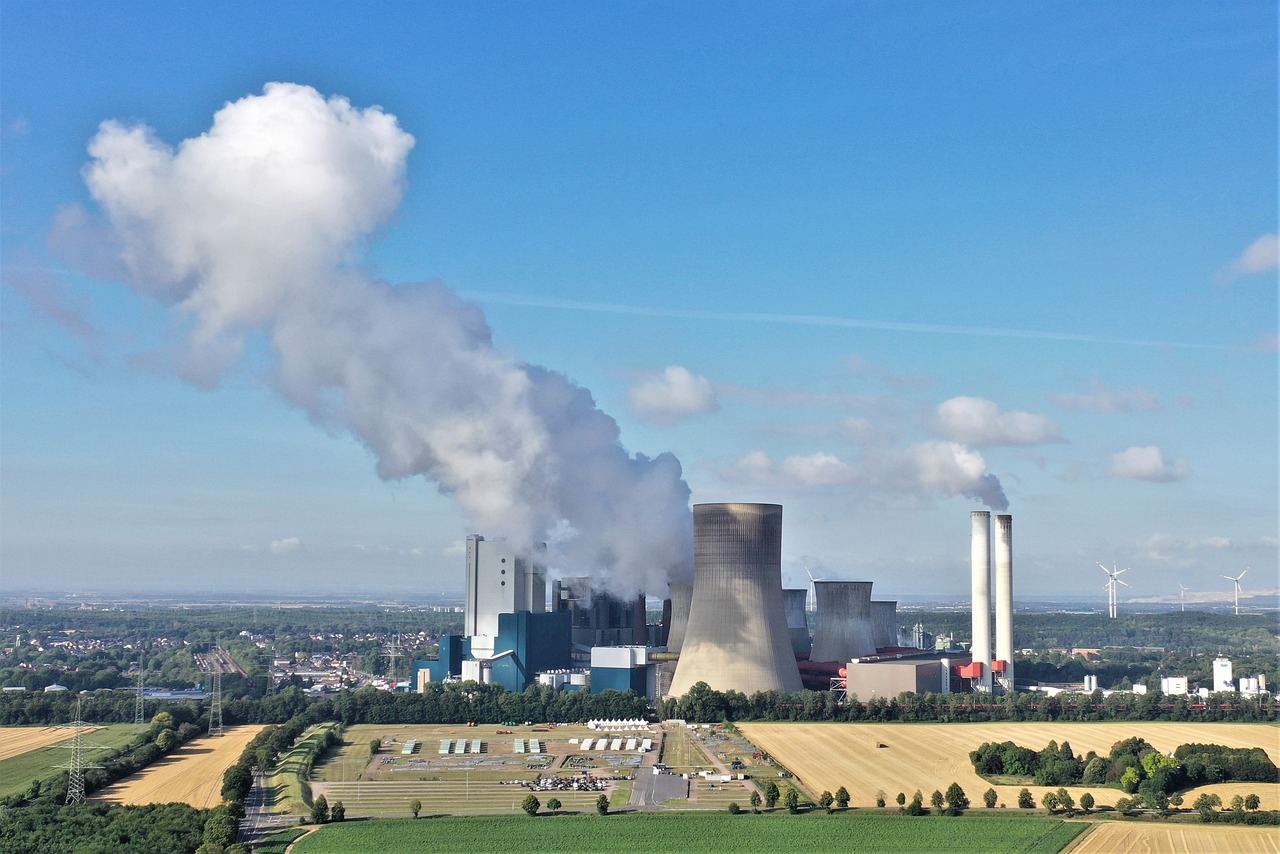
(17, 772)
(698, 832)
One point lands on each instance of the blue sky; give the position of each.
(857, 259)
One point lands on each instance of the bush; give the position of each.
(338, 813)
(734, 809)
(553, 804)
(989, 798)
(602, 805)
(1024, 800)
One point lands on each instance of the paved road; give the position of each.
(258, 820)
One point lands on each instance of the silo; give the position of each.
(797, 623)
(1004, 596)
(884, 623)
(844, 621)
(737, 638)
(980, 560)
(681, 596)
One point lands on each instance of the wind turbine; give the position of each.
(1236, 581)
(1113, 578)
(1182, 591)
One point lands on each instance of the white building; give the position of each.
(1222, 680)
(500, 582)
(1173, 685)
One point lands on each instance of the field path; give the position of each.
(892, 758)
(1143, 837)
(192, 774)
(17, 740)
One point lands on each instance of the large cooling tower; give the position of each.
(681, 597)
(737, 638)
(884, 623)
(980, 556)
(797, 623)
(1004, 596)
(844, 621)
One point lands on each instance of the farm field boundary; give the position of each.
(697, 833)
(192, 774)
(1138, 837)
(872, 758)
(41, 756)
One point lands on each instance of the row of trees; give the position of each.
(1132, 765)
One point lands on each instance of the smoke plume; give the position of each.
(255, 229)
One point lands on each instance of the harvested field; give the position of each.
(1141, 837)
(932, 756)
(192, 774)
(16, 740)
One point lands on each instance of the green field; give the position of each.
(17, 772)
(698, 832)
(289, 776)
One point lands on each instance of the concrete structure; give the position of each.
(737, 638)
(598, 619)
(681, 597)
(884, 623)
(794, 602)
(844, 621)
(1004, 598)
(980, 562)
(499, 582)
(1222, 679)
(621, 668)
(887, 678)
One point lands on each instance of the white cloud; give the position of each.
(1104, 399)
(978, 422)
(671, 395)
(923, 470)
(1148, 463)
(288, 545)
(1259, 257)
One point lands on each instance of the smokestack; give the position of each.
(681, 597)
(844, 621)
(737, 638)
(884, 623)
(797, 623)
(981, 562)
(1004, 595)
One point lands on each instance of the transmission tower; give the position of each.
(76, 767)
(393, 654)
(139, 704)
(215, 707)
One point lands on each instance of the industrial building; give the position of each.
(598, 619)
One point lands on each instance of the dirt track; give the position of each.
(192, 774)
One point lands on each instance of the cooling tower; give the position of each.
(980, 550)
(1004, 596)
(844, 621)
(737, 638)
(681, 596)
(884, 623)
(797, 624)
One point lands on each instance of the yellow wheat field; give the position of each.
(1141, 837)
(891, 758)
(17, 740)
(192, 774)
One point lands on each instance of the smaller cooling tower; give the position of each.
(681, 596)
(736, 638)
(797, 622)
(844, 621)
(884, 623)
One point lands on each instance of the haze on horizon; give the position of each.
(273, 325)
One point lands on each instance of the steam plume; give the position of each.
(256, 227)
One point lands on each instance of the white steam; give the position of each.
(257, 226)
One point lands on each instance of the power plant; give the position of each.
(734, 627)
(737, 637)
(844, 630)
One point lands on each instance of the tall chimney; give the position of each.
(1004, 595)
(981, 562)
